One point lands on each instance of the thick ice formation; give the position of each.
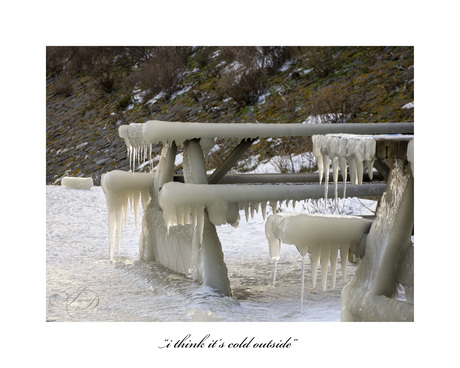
(120, 189)
(321, 236)
(185, 203)
(388, 259)
(77, 183)
(410, 154)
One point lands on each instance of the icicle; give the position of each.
(359, 167)
(317, 142)
(320, 168)
(335, 175)
(253, 208)
(112, 232)
(273, 206)
(263, 206)
(136, 201)
(119, 224)
(324, 261)
(370, 168)
(201, 224)
(343, 170)
(344, 260)
(353, 177)
(246, 211)
(194, 216)
(369, 156)
(334, 253)
(314, 261)
(303, 284)
(326, 175)
(275, 265)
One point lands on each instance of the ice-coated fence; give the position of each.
(178, 227)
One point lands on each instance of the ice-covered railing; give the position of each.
(120, 189)
(179, 223)
(140, 138)
(186, 203)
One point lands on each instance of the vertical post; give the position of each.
(214, 269)
(166, 163)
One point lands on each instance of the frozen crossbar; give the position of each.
(155, 131)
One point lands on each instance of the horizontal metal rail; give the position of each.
(276, 178)
(154, 131)
(197, 193)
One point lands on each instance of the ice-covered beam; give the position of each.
(140, 138)
(159, 131)
(224, 201)
(321, 236)
(276, 178)
(120, 188)
(230, 161)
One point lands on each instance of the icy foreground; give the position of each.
(130, 290)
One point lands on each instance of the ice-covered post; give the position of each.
(214, 269)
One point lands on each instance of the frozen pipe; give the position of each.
(155, 131)
(179, 194)
(275, 178)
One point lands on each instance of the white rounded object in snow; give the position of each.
(77, 183)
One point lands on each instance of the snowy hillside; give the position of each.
(91, 91)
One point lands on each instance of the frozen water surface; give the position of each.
(82, 284)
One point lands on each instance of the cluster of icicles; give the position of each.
(138, 149)
(320, 236)
(121, 190)
(340, 151)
